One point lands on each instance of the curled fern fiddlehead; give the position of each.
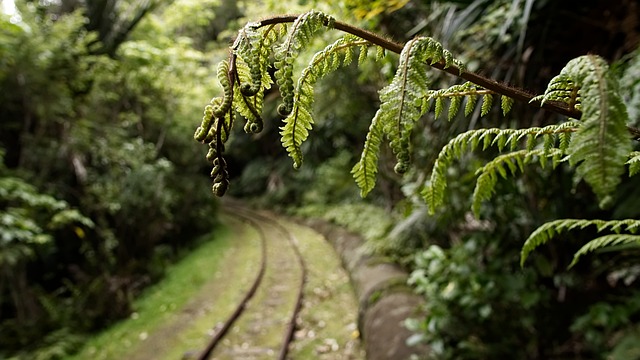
(299, 36)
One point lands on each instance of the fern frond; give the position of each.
(605, 241)
(364, 172)
(300, 34)
(601, 145)
(547, 231)
(298, 123)
(634, 163)
(561, 88)
(433, 192)
(491, 171)
(401, 106)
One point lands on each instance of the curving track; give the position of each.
(263, 323)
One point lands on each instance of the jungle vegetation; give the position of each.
(102, 183)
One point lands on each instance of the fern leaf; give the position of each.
(487, 102)
(601, 145)
(547, 231)
(434, 189)
(605, 241)
(506, 104)
(298, 123)
(634, 163)
(472, 100)
(488, 174)
(364, 172)
(253, 46)
(300, 34)
(454, 106)
(402, 104)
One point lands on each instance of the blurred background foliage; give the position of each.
(102, 183)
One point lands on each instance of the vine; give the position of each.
(596, 142)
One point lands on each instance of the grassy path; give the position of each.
(176, 316)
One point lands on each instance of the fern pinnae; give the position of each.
(300, 34)
(547, 231)
(601, 145)
(433, 190)
(364, 172)
(298, 123)
(487, 102)
(605, 241)
(472, 100)
(488, 174)
(506, 103)
(634, 163)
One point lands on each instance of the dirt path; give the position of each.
(326, 326)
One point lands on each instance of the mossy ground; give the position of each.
(176, 316)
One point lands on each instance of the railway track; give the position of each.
(263, 323)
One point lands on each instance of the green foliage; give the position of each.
(96, 159)
(475, 309)
(595, 147)
(434, 191)
(601, 144)
(299, 36)
(400, 108)
(550, 229)
(634, 163)
(603, 321)
(299, 121)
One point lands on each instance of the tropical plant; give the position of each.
(598, 143)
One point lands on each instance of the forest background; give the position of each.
(102, 185)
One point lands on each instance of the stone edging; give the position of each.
(384, 299)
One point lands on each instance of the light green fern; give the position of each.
(456, 94)
(434, 190)
(618, 241)
(299, 36)
(298, 123)
(401, 106)
(602, 144)
(549, 230)
(504, 164)
(634, 163)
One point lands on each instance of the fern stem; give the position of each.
(487, 83)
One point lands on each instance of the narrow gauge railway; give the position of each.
(263, 322)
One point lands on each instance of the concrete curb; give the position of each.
(385, 301)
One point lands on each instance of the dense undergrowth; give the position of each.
(98, 190)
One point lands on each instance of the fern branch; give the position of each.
(547, 231)
(487, 83)
(434, 190)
